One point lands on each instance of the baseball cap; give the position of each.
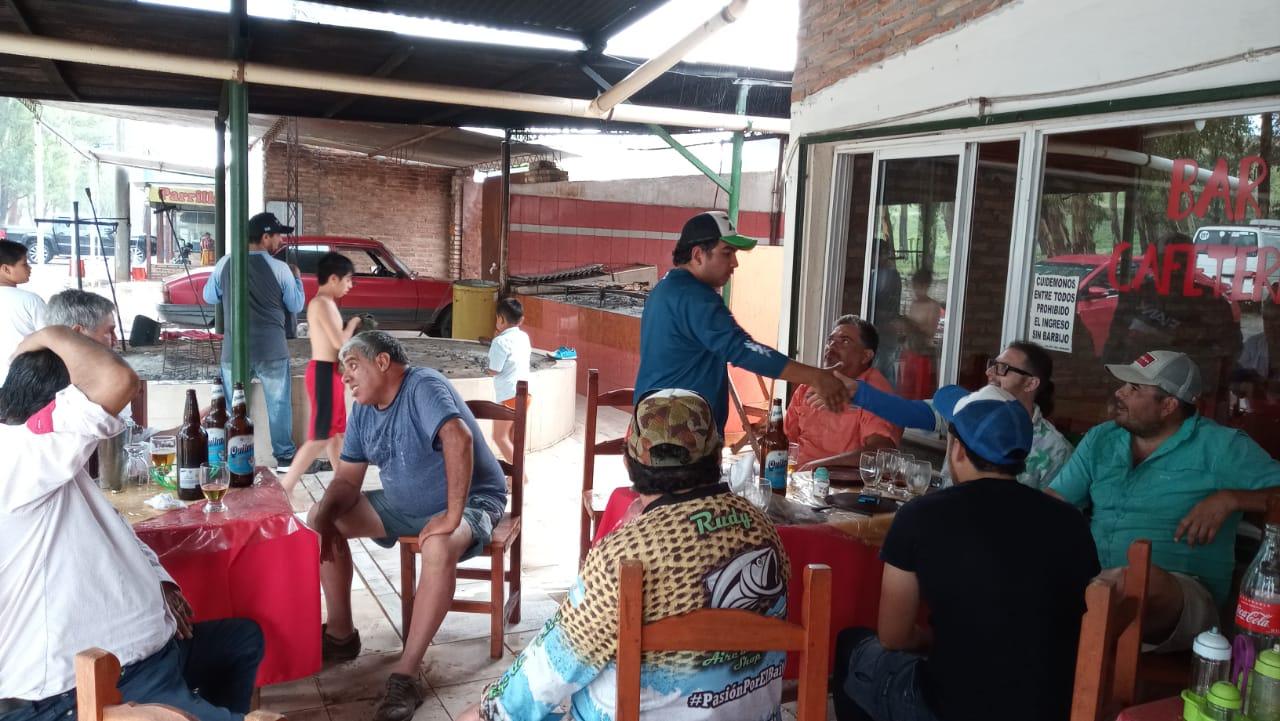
(670, 428)
(263, 223)
(713, 224)
(1170, 371)
(990, 421)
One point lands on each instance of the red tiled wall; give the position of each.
(541, 252)
(608, 342)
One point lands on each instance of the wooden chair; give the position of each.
(98, 699)
(726, 630)
(1111, 641)
(616, 398)
(506, 538)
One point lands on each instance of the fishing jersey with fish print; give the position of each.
(708, 549)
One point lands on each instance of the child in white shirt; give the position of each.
(508, 364)
(21, 311)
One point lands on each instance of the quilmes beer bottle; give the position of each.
(215, 425)
(773, 449)
(193, 450)
(240, 441)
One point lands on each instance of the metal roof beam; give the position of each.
(51, 67)
(388, 66)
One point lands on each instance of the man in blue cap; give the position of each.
(687, 335)
(1002, 569)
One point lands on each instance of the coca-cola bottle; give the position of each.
(1258, 610)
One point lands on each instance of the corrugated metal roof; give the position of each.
(349, 51)
(581, 19)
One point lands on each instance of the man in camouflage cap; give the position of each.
(702, 547)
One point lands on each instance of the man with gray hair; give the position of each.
(86, 313)
(440, 482)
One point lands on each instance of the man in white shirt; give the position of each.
(508, 364)
(76, 576)
(21, 311)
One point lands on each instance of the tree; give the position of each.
(15, 157)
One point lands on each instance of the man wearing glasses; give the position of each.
(829, 438)
(1163, 472)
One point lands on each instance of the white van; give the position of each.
(1258, 234)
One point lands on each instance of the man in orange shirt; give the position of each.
(835, 439)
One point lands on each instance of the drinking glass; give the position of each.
(761, 493)
(886, 460)
(919, 476)
(164, 450)
(793, 455)
(901, 469)
(213, 484)
(869, 468)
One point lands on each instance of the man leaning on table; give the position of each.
(1002, 569)
(76, 576)
(1163, 472)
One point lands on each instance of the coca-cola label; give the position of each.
(1253, 615)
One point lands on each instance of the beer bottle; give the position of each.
(193, 450)
(215, 426)
(773, 449)
(240, 441)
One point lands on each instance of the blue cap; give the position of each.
(992, 423)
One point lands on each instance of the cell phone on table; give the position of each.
(870, 504)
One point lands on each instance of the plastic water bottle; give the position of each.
(821, 485)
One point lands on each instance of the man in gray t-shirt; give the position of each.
(440, 482)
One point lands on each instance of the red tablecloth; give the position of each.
(855, 567)
(255, 561)
(1169, 709)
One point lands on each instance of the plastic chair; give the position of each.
(1111, 641)
(717, 629)
(505, 539)
(617, 398)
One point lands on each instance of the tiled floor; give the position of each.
(457, 665)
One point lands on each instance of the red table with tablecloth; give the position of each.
(256, 560)
(1169, 709)
(855, 566)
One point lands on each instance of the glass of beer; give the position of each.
(214, 484)
(164, 451)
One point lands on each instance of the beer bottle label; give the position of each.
(240, 455)
(217, 446)
(187, 478)
(775, 469)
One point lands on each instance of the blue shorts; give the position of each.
(481, 513)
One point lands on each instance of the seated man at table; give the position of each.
(76, 576)
(1163, 472)
(830, 439)
(1002, 569)
(440, 483)
(702, 547)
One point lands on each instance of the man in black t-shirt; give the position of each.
(1002, 569)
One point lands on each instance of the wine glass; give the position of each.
(919, 476)
(164, 450)
(869, 468)
(213, 484)
(761, 492)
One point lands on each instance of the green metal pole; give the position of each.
(220, 207)
(689, 156)
(239, 119)
(735, 172)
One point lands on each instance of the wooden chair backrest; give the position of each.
(1111, 640)
(490, 411)
(616, 398)
(98, 699)
(726, 630)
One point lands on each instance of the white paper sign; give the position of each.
(1053, 310)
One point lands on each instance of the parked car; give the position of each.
(384, 287)
(1216, 243)
(57, 241)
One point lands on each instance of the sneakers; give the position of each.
(404, 695)
(282, 465)
(338, 649)
(318, 465)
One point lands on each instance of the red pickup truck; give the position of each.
(384, 288)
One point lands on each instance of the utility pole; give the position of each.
(38, 134)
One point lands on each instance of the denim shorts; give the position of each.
(482, 513)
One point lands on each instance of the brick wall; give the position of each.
(406, 206)
(840, 37)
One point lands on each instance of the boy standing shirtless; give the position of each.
(324, 375)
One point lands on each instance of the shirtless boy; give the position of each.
(324, 375)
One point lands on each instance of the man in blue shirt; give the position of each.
(275, 291)
(687, 334)
(1163, 472)
(440, 482)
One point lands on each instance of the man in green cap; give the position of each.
(687, 335)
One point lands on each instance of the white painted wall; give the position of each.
(1055, 48)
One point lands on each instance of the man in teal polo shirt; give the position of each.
(1162, 472)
